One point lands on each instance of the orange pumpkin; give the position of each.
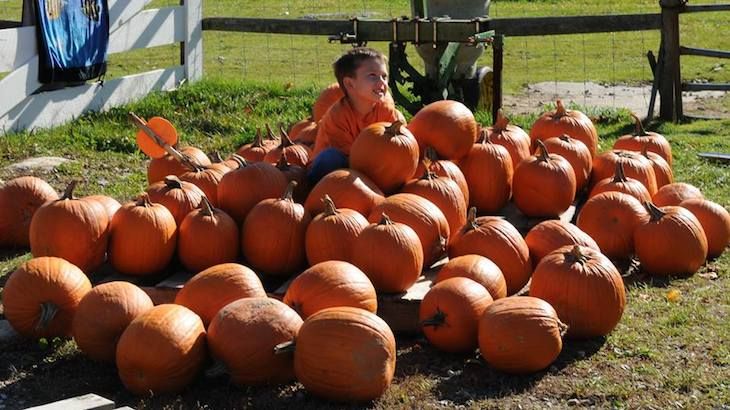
(512, 137)
(345, 354)
(390, 254)
(577, 155)
(621, 183)
(164, 130)
(19, 200)
(662, 170)
(110, 204)
(443, 168)
(544, 184)
(485, 158)
(179, 197)
(673, 194)
(715, 221)
(285, 221)
(348, 189)
(520, 335)
(73, 229)
(208, 291)
(386, 153)
(327, 98)
(635, 166)
(477, 268)
(256, 150)
(294, 173)
(207, 236)
(330, 284)
(442, 192)
(495, 239)
(449, 314)
(641, 139)
(564, 121)
(683, 246)
(240, 190)
(159, 168)
(304, 132)
(448, 126)
(552, 234)
(584, 287)
(41, 297)
(103, 314)
(174, 350)
(296, 154)
(331, 234)
(207, 178)
(243, 336)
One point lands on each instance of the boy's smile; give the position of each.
(370, 84)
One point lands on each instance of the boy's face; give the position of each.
(370, 83)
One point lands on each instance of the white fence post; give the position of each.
(194, 40)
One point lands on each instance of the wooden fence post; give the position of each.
(670, 88)
(193, 45)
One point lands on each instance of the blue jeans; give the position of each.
(327, 161)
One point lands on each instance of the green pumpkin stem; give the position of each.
(68, 193)
(289, 191)
(654, 211)
(438, 319)
(48, 312)
(329, 206)
(619, 175)
(639, 127)
(286, 347)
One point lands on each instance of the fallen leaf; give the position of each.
(674, 295)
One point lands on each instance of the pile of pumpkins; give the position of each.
(411, 196)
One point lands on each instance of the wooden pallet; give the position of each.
(86, 402)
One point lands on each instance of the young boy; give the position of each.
(363, 77)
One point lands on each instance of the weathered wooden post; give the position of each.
(670, 88)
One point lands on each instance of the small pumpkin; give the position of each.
(442, 192)
(296, 154)
(715, 221)
(19, 200)
(207, 178)
(442, 168)
(304, 132)
(673, 194)
(621, 183)
(159, 168)
(327, 98)
(257, 149)
(241, 189)
(331, 234)
(486, 158)
(294, 173)
(348, 189)
(448, 126)
(640, 139)
(206, 237)
(552, 234)
(513, 138)
(477, 268)
(564, 121)
(577, 155)
(179, 197)
(635, 166)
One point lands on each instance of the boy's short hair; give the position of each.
(348, 63)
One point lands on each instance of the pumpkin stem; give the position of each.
(216, 156)
(283, 163)
(385, 220)
(144, 200)
(258, 139)
(501, 123)
(285, 140)
(173, 182)
(428, 173)
(471, 219)
(542, 151)
(286, 347)
(207, 208)
(483, 134)
(654, 211)
(329, 206)
(560, 110)
(241, 161)
(562, 327)
(565, 138)
(431, 154)
(639, 131)
(438, 319)
(577, 256)
(48, 312)
(217, 369)
(289, 191)
(68, 193)
(619, 175)
(394, 128)
(270, 132)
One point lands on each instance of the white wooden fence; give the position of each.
(130, 27)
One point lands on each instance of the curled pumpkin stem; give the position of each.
(639, 127)
(501, 122)
(542, 152)
(654, 211)
(207, 208)
(48, 312)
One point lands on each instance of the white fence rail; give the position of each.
(130, 27)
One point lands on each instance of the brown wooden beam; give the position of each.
(690, 51)
(706, 7)
(705, 87)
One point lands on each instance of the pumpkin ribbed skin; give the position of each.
(564, 121)
(331, 234)
(715, 221)
(110, 204)
(162, 350)
(389, 254)
(662, 170)
(520, 335)
(103, 314)
(240, 190)
(643, 140)
(179, 197)
(386, 153)
(208, 291)
(584, 287)
(159, 168)
(485, 158)
(207, 178)
(443, 168)
(576, 153)
(327, 98)
(296, 154)
(423, 216)
(683, 246)
(495, 239)
(635, 166)
(330, 284)
(19, 199)
(449, 314)
(73, 229)
(345, 354)
(552, 234)
(286, 221)
(543, 185)
(42, 285)
(621, 183)
(243, 336)
(610, 219)
(143, 238)
(477, 268)
(348, 189)
(673, 194)
(442, 192)
(206, 237)
(513, 138)
(448, 126)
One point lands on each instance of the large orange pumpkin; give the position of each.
(635, 166)
(564, 121)
(243, 336)
(447, 126)
(520, 334)
(715, 221)
(673, 194)
(577, 155)
(19, 199)
(348, 189)
(496, 239)
(103, 315)
(477, 268)
(162, 350)
(683, 246)
(208, 291)
(330, 284)
(327, 98)
(331, 234)
(179, 197)
(552, 234)
(621, 183)
(584, 287)
(643, 140)
(159, 168)
(443, 168)
(345, 354)
(41, 297)
(442, 192)
(390, 254)
(386, 153)
(73, 229)
(488, 194)
(206, 237)
(510, 136)
(449, 314)
(241, 189)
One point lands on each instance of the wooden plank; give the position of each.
(691, 51)
(56, 107)
(705, 8)
(149, 28)
(160, 296)
(17, 47)
(121, 11)
(193, 47)
(18, 86)
(9, 24)
(669, 86)
(542, 26)
(716, 156)
(705, 87)
(86, 402)
(524, 223)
